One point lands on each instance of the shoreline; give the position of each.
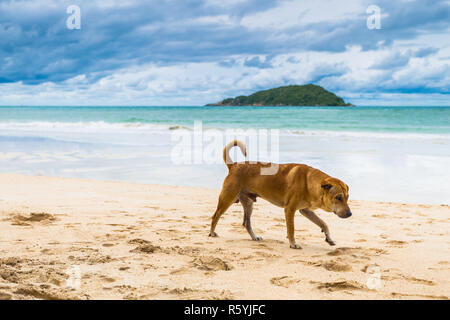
(142, 241)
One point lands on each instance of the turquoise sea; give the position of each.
(419, 120)
(384, 153)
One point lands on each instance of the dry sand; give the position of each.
(80, 239)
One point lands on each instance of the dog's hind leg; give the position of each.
(289, 215)
(247, 204)
(315, 219)
(227, 197)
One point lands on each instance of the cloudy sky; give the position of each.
(192, 52)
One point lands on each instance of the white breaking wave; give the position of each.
(89, 126)
(370, 134)
(48, 129)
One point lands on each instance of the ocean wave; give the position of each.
(81, 126)
(134, 126)
(368, 134)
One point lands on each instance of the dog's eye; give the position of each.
(339, 198)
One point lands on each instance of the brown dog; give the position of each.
(291, 186)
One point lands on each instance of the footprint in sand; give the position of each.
(267, 254)
(400, 295)
(343, 251)
(356, 252)
(340, 285)
(210, 263)
(396, 243)
(118, 211)
(50, 275)
(284, 281)
(28, 220)
(411, 234)
(92, 258)
(144, 246)
(259, 245)
(107, 245)
(196, 228)
(180, 271)
(418, 280)
(107, 279)
(46, 293)
(379, 216)
(5, 296)
(336, 266)
(399, 276)
(111, 237)
(196, 294)
(48, 251)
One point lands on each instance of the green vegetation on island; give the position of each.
(294, 95)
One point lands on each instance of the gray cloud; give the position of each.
(36, 47)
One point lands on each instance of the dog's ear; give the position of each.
(326, 186)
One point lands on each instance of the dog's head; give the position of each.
(335, 197)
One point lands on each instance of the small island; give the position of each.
(293, 95)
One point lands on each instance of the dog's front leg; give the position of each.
(315, 219)
(289, 214)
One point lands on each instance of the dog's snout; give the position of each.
(349, 214)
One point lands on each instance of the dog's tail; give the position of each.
(226, 155)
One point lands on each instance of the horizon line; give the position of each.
(206, 106)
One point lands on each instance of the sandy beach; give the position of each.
(81, 239)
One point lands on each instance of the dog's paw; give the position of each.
(330, 242)
(257, 238)
(213, 234)
(295, 246)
